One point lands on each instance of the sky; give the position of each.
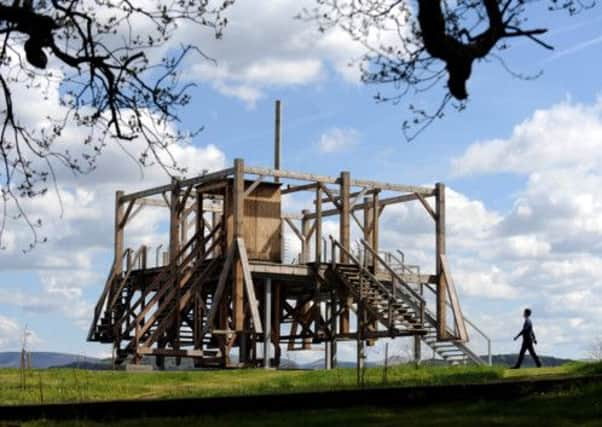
(521, 164)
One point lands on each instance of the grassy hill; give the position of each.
(43, 360)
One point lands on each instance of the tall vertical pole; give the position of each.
(440, 250)
(267, 322)
(175, 227)
(277, 138)
(118, 247)
(237, 209)
(318, 228)
(328, 342)
(345, 240)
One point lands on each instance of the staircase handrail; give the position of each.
(103, 296)
(419, 306)
(393, 273)
(467, 320)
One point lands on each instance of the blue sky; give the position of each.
(521, 163)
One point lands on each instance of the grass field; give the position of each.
(574, 407)
(72, 385)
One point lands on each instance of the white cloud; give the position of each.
(265, 46)
(547, 249)
(338, 139)
(565, 135)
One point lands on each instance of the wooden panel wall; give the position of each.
(261, 222)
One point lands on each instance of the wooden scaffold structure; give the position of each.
(225, 283)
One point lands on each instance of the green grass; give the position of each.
(581, 407)
(72, 385)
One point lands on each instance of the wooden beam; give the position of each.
(318, 225)
(305, 227)
(344, 229)
(183, 183)
(249, 287)
(295, 229)
(254, 185)
(375, 233)
(345, 241)
(426, 205)
(295, 188)
(331, 197)
(118, 238)
(426, 191)
(453, 299)
(383, 202)
(134, 214)
(440, 251)
(126, 214)
(184, 198)
(238, 196)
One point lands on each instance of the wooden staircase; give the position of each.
(392, 312)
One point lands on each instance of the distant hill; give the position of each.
(510, 360)
(498, 359)
(43, 360)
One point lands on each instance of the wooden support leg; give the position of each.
(267, 313)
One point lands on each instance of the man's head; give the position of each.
(527, 312)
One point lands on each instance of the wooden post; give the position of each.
(305, 241)
(118, 243)
(267, 313)
(276, 319)
(277, 138)
(318, 228)
(238, 197)
(368, 231)
(375, 226)
(440, 250)
(175, 223)
(345, 240)
(344, 225)
(328, 342)
(200, 226)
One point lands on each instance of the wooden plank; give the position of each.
(249, 287)
(262, 222)
(453, 299)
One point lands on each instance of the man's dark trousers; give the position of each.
(527, 345)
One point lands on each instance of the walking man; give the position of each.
(528, 341)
